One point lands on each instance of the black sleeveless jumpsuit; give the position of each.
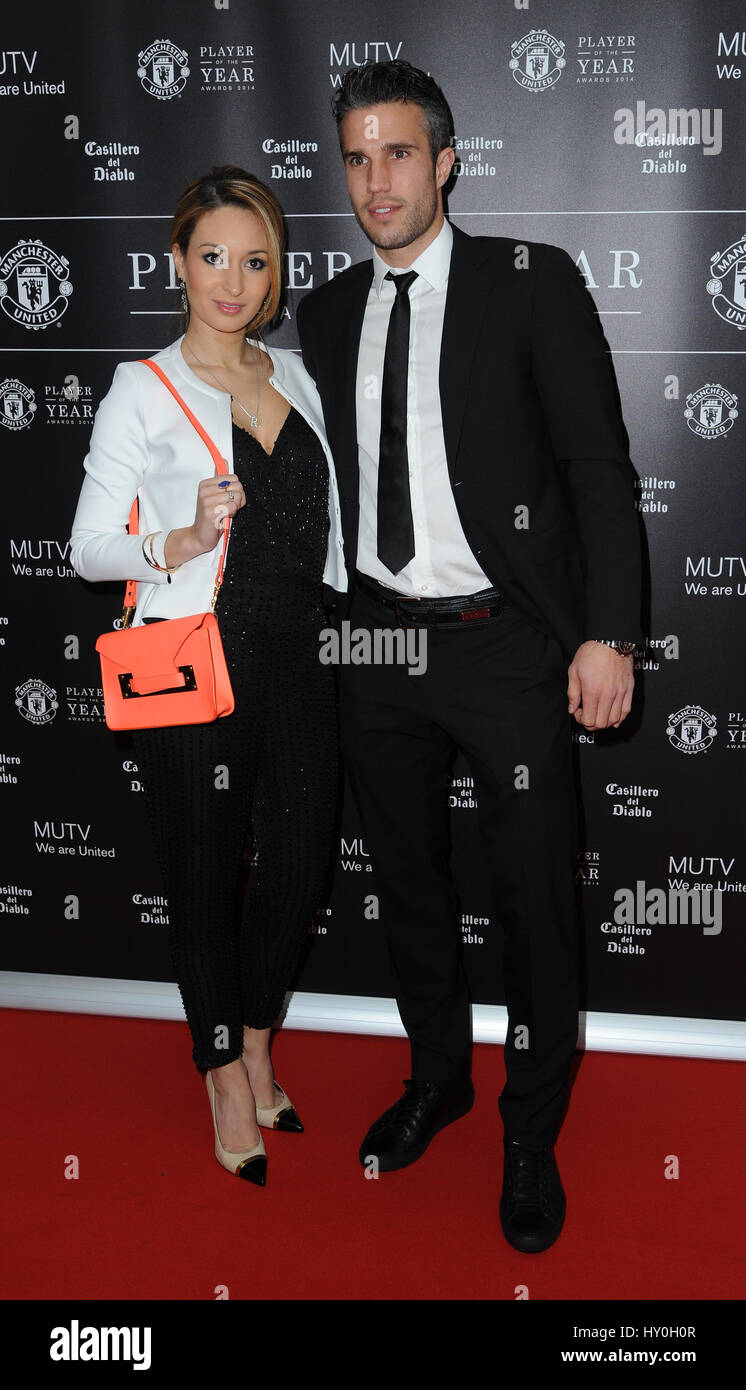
(243, 810)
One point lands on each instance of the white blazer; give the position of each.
(143, 444)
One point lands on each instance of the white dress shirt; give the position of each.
(443, 563)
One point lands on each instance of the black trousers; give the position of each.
(497, 693)
(242, 813)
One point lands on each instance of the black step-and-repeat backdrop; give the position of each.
(615, 130)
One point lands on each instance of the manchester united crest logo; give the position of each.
(691, 729)
(162, 69)
(727, 283)
(36, 701)
(711, 411)
(17, 404)
(34, 284)
(537, 60)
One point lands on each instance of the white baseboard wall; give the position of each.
(343, 1013)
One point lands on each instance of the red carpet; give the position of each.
(153, 1216)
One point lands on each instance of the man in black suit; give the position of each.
(487, 496)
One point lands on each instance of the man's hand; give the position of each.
(599, 686)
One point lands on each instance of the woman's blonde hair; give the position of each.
(228, 185)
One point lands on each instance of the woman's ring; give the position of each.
(231, 496)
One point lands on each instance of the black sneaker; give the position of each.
(404, 1131)
(532, 1206)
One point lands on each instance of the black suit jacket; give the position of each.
(532, 427)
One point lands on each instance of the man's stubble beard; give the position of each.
(418, 220)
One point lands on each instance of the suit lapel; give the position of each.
(464, 311)
(346, 351)
(466, 303)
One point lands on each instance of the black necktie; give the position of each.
(395, 533)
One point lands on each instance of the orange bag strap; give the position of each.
(133, 525)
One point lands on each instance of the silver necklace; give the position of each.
(254, 419)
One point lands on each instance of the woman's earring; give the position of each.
(184, 300)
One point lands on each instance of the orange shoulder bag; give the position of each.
(173, 671)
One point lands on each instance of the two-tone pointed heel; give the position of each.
(251, 1164)
(283, 1116)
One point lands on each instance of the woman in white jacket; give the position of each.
(253, 795)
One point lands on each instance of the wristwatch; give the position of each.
(623, 648)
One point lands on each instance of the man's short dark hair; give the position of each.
(398, 80)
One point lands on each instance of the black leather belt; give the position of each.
(462, 610)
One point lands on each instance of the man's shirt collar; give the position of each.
(432, 265)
